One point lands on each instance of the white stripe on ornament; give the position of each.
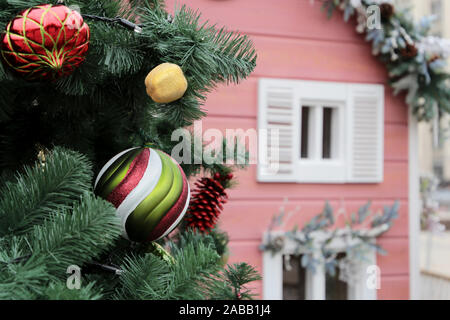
(142, 190)
(174, 225)
(108, 164)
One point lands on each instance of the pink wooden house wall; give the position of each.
(295, 40)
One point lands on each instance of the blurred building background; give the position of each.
(434, 161)
(434, 140)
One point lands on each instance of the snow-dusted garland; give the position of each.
(315, 242)
(414, 59)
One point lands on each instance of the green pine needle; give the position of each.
(43, 189)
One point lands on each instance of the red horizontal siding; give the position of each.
(242, 101)
(394, 288)
(393, 187)
(397, 257)
(316, 60)
(286, 18)
(248, 220)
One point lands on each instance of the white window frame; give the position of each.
(338, 170)
(315, 284)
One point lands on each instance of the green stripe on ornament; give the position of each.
(110, 170)
(135, 224)
(116, 173)
(171, 198)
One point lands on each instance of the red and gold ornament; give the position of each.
(45, 42)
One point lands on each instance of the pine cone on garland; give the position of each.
(409, 52)
(386, 11)
(434, 58)
(207, 203)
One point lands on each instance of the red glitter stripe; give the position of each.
(132, 178)
(171, 216)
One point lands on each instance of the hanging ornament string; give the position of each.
(108, 268)
(121, 21)
(118, 20)
(124, 22)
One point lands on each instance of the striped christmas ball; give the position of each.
(149, 190)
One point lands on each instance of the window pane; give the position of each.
(294, 280)
(336, 289)
(305, 132)
(326, 133)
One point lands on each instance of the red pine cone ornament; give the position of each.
(45, 42)
(207, 203)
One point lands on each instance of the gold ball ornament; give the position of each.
(166, 83)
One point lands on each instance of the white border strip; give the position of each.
(414, 207)
(142, 190)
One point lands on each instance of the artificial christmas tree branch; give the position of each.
(60, 236)
(206, 55)
(59, 291)
(29, 200)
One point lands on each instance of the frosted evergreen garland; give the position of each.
(315, 241)
(415, 60)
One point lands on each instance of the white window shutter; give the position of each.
(365, 133)
(277, 120)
